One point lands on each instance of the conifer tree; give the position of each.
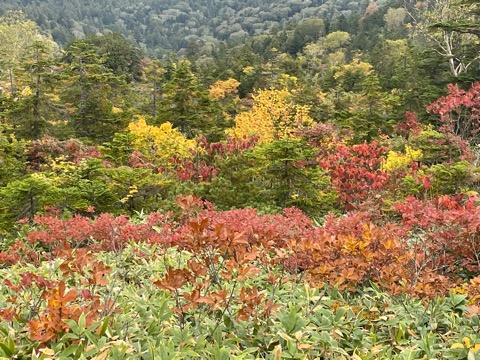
(92, 92)
(36, 104)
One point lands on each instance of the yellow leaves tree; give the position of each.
(273, 116)
(358, 101)
(17, 35)
(352, 75)
(158, 144)
(222, 88)
(398, 161)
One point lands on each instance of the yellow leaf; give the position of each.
(285, 336)
(457, 346)
(102, 356)
(47, 351)
(277, 352)
(467, 342)
(298, 335)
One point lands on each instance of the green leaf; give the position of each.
(7, 350)
(82, 321)
(68, 351)
(104, 326)
(74, 326)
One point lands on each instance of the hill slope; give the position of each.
(169, 25)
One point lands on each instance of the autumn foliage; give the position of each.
(208, 226)
(273, 116)
(459, 112)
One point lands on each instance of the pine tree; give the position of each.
(92, 93)
(36, 105)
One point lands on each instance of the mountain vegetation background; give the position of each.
(162, 26)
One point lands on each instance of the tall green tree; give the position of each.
(187, 105)
(152, 76)
(121, 56)
(17, 35)
(94, 94)
(291, 176)
(36, 105)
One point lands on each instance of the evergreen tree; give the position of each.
(186, 105)
(93, 93)
(35, 106)
(120, 56)
(291, 176)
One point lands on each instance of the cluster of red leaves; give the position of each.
(450, 228)
(203, 165)
(429, 251)
(459, 111)
(16, 252)
(139, 161)
(105, 232)
(224, 255)
(53, 303)
(355, 171)
(411, 125)
(230, 246)
(109, 233)
(196, 169)
(41, 152)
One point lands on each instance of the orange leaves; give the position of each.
(50, 324)
(249, 271)
(223, 257)
(58, 298)
(351, 259)
(251, 300)
(354, 246)
(51, 303)
(425, 256)
(174, 279)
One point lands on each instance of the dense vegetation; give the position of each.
(172, 25)
(307, 191)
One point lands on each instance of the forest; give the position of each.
(240, 180)
(166, 26)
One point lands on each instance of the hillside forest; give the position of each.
(240, 180)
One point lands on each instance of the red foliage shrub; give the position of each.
(459, 112)
(356, 172)
(434, 245)
(446, 229)
(41, 152)
(203, 165)
(411, 125)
